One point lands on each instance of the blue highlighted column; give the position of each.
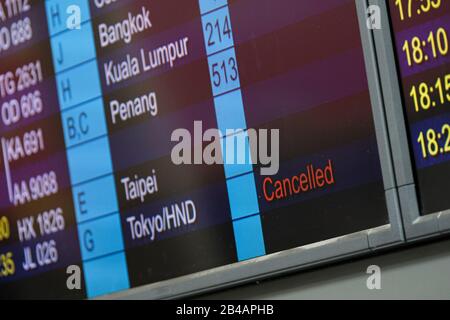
(230, 115)
(87, 148)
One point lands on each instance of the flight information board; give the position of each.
(421, 32)
(98, 96)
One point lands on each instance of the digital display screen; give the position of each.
(111, 111)
(421, 29)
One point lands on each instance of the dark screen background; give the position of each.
(301, 71)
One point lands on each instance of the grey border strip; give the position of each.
(380, 237)
(416, 226)
(310, 255)
(272, 265)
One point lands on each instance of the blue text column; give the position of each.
(87, 148)
(231, 122)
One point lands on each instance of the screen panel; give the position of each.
(415, 104)
(107, 116)
(421, 41)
